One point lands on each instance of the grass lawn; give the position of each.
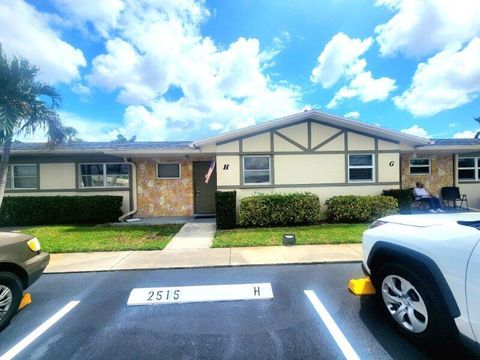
(64, 239)
(305, 235)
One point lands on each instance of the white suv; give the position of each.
(426, 272)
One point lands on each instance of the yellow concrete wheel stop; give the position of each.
(26, 300)
(361, 287)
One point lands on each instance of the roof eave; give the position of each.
(316, 115)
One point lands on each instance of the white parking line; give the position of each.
(335, 331)
(17, 349)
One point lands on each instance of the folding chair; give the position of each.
(452, 194)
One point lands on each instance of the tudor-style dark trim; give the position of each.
(309, 134)
(376, 160)
(293, 142)
(345, 153)
(309, 152)
(269, 186)
(325, 142)
(67, 190)
(279, 127)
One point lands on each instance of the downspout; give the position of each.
(134, 190)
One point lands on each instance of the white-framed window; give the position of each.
(360, 168)
(22, 176)
(100, 175)
(419, 166)
(169, 170)
(256, 170)
(468, 168)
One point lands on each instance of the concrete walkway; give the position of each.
(193, 235)
(167, 259)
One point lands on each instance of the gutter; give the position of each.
(134, 190)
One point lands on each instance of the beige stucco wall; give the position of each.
(360, 142)
(388, 167)
(229, 176)
(232, 146)
(472, 191)
(298, 133)
(309, 169)
(337, 144)
(57, 176)
(386, 145)
(124, 194)
(257, 143)
(280, 144)
(441, 172)
(321, 133)
(164, 197)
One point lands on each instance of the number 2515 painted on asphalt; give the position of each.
(159, 295)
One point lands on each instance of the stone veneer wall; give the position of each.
(164, 197)
(441, 173)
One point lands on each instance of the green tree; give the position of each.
(71, 135)
(122, 139)
(26, 105)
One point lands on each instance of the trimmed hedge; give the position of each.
(359, 209)
(48, 210)
(225, 205)
(403, 196)
(279, 209)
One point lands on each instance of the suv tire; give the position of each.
(12, 289)
(413, 304)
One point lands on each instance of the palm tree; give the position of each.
(24, 108)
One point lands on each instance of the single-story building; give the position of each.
(309, 151)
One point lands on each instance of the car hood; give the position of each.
(7, 238)
(425, 220)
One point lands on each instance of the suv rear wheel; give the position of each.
(11, 291)
(412, 303)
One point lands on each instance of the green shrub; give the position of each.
(47, 210)
(358, 209)
(225, 205)
(279, 209)
(403, 196)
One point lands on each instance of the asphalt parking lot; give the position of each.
(96, 322)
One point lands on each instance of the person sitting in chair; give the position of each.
(423, 195)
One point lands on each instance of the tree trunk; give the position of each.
(4, 166)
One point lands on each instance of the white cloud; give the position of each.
(101, 14)
(365, 87)
(338, 58)
(352, 115)
(26, 32)
(452, 125)
(447, 80)
(157, 45)
(81, 89)
(468, 134)
(421, 28)
(417, 131)
(88, 129)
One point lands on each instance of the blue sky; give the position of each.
(187, 69)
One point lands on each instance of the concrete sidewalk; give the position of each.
(167, 259)
(193, 235)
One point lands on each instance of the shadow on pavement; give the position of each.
(375, 320)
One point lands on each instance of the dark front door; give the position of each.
(204, 193)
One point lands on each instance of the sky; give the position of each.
(190, 69)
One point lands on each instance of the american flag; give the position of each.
(209, 172)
